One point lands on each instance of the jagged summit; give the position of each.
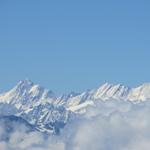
(22, 85)
(140, 93)
(26, 82)
(107, 91)
(27, 93)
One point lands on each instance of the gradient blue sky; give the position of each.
(74, 45)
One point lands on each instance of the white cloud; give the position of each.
(111, 125)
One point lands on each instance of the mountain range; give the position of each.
(48, 113)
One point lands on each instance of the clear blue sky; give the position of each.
(74, 45)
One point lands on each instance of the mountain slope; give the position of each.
(141, 93)
(27, 93)
(35, 104)
(49, 113)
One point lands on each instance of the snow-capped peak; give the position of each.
(27, 93)
(25, 82)
(22, 86)
(140, 93)
(107, 91)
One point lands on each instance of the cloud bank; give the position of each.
(110, 125)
